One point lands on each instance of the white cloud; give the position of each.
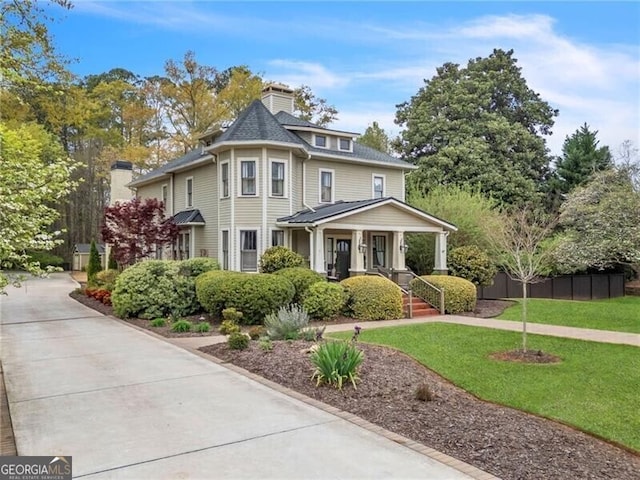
(315, 75)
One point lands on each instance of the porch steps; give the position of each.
(419, 307)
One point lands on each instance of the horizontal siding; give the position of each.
(385, 217)
(248, 211)
(351, 182)
(205, 198)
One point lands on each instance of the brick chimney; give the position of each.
(277, 97)
(121, 176)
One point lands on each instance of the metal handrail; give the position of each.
(438, 302)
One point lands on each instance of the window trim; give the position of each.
(188, 202)
(284, 238)
(164, 188)
(326, 140)
(350, 149)
(255, 161)
(373, 184)
(333, 184)
(240, 250)
(285, 190)
(222, 165)
(225, 265)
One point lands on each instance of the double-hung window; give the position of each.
(277, 238)
(224, 179)
(277, 179)
(189, 189)
(248, 250)
(165, 197)
(248, 176)
(378, 186)
(326, 186)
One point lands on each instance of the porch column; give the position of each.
(398, 252)
(357, 257)
(440, 266)
(319, 264)
(311, 249)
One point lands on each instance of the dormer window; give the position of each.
(344, 144)
(320, 141)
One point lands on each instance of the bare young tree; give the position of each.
(518, 242)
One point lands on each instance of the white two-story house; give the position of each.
(273, 179)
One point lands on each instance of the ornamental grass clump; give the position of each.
(181, 326)
(287, 323)
(337, 362)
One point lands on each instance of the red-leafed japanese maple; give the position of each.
(136, 228)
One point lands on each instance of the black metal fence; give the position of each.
(565, 287)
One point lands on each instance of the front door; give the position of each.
(343, 258)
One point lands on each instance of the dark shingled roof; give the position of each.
(327, 211)
(287, 119)
(86, 248)
(187, 158)
(256, 123)
(188, 217)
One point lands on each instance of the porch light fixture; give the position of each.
(362, 247)
(404, 247)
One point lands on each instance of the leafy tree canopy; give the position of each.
(136, 228)
(375, 137)
(34, 176)
(480, 125)
(581, 158)
(601, 222)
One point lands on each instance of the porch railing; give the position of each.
(431, 294)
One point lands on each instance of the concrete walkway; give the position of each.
(604, 336)
(127, 405)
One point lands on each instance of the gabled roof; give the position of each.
(188, 217)
(287, 119)
(334, 211)
(256, 123)
(86, 248)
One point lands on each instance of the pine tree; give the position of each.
(95, 264)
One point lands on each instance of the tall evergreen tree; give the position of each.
(481, 126)
(375, 137)
(95, 264)
(581, 158)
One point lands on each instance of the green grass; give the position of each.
(619, 314)
(595, 387)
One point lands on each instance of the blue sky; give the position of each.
(366, 57)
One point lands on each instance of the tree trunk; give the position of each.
(524, 316)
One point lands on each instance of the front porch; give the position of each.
(354, 238)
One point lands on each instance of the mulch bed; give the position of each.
(489, 308)
(506, 442)
(528, 356)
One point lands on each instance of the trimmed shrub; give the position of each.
(213, 288)
(472, 263)
(106, 279)
(459, 294)
(153, 289)
(256, 295)
(94, 265)
(196, 266)
(279, 257)
(324, 300)
(301, 278)
(227, 327)
(372, 298)
(232, 315)
(238, 341)
(287, 323)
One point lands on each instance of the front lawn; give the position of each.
(595, 387)
(620, 314)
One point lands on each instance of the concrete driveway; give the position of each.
(127, 405)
